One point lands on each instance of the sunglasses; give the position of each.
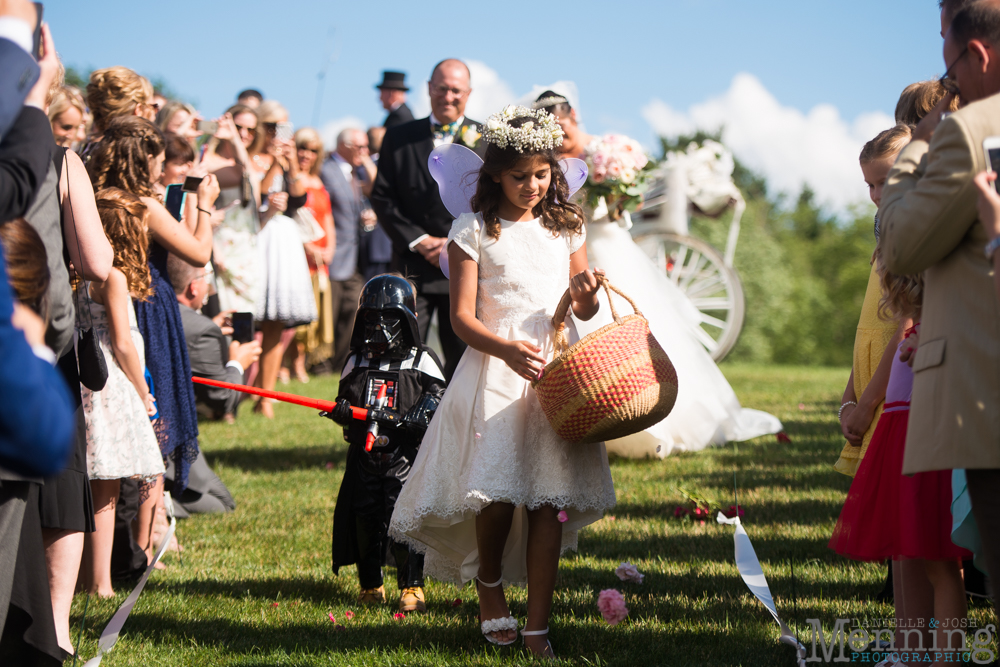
(251, 130)
(947, 81)
(309, 148)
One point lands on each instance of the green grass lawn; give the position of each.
(255, 586)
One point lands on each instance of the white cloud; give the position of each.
(333, 127)
(489, 94)
(788, 146)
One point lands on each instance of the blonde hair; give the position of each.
(917, 100)
(124, 218)
(116, 91)
(56, 85)
(169, 110)
(309, 137)
(886, 143)
(66, 98)
(902, 296)
(271, 111)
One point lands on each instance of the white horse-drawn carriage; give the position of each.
(698, 180)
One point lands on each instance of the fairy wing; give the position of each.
(456, 170)
(575, 171)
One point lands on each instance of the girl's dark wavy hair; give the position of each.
(557, 212)
(121, 160)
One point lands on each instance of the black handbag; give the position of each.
(89, 356)
(93, 366)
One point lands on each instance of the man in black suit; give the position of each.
(392, 92)
(406, 198)
(26, 144)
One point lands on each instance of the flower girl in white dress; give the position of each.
(485, 496)
(120, 438)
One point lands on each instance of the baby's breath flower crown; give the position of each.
(540, 133)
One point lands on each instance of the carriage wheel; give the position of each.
(699, 271)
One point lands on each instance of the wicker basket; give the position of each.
(614, 382)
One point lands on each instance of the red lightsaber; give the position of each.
(315, 403)
(380, 400)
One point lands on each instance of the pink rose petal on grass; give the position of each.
(332, 619)
(399, 616)
(274, 604)
(457, 602)
(348, 614)
(562, 516)
(339, 628)
(629, 572)
(612, 606)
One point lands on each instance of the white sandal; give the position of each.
(536, 633)
(492, 625)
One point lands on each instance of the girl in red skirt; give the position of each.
(906, 518)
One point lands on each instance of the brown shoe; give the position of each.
(372, 595)
(412, 599)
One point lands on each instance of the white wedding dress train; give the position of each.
(707, 411)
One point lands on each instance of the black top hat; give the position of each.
(393, 81)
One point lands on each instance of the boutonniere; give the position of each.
(471, 135)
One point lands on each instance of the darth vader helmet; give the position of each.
(386, 324)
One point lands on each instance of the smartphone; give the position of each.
(174, 200)
(991, 150)
(191, 183)
(36, 39)
(243, 330)
(208, 126)
(284, 132)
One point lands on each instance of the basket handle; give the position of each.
(559, 318)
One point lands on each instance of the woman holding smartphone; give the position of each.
(235, 253)
(286, 299)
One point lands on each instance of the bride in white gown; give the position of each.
(707, 411)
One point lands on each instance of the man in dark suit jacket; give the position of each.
(407, 201)
(212, 355)
(392, 93)
(26, 144)
(18, 70)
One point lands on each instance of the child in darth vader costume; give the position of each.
(401, 382)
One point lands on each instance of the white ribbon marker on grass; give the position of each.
(749, 567)
(109, 636)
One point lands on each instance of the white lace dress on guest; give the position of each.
(489, 439)
(120, 438)
(236, 259)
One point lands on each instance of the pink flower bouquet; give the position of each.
(618, 172)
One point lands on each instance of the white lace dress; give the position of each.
(120, 438)
(489, 440)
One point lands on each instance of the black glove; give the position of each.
(341, 413)
(419, 416)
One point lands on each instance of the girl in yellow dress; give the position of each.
(877, 338)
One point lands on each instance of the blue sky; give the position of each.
(822, 74)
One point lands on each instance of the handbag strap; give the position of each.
(559, 318)
(79, 250)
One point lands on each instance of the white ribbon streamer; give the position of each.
(109, 636)
(749, 566)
